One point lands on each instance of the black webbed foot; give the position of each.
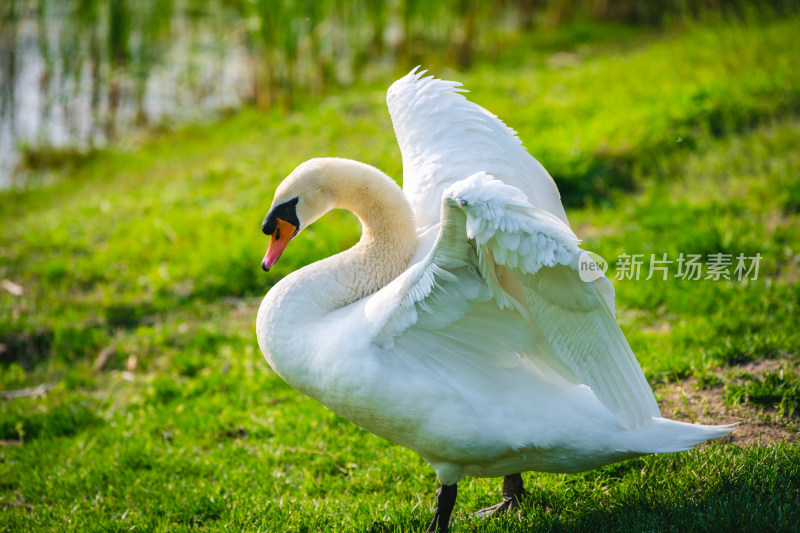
(513, 492)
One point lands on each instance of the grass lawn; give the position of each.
(134, 396)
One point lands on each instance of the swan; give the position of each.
(459, 325)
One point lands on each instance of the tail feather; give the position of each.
(665, 436)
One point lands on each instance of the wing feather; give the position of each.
(575, 316)
(445, 138)
(500, 284)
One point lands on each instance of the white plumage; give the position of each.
(444, 138)
(467, 335)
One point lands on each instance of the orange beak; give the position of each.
(284, 232)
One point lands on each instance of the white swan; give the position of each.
(458, 326)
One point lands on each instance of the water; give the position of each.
(63, 87)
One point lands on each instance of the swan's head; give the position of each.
(305, 195)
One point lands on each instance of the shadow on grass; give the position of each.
(758, 494)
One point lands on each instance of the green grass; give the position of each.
(141, 278)
(780, 388)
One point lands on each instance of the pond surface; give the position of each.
(68, 82)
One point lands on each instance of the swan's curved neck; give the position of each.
(388, 239)
(298, 313)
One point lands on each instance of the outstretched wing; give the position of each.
(444, 138)
(503, 280)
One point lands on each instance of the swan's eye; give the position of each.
(286, 212)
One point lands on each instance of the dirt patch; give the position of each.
(687, 401)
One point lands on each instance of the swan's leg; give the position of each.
(445, 501)
(513, 492)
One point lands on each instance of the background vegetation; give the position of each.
(134, 396)
(78, 74)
